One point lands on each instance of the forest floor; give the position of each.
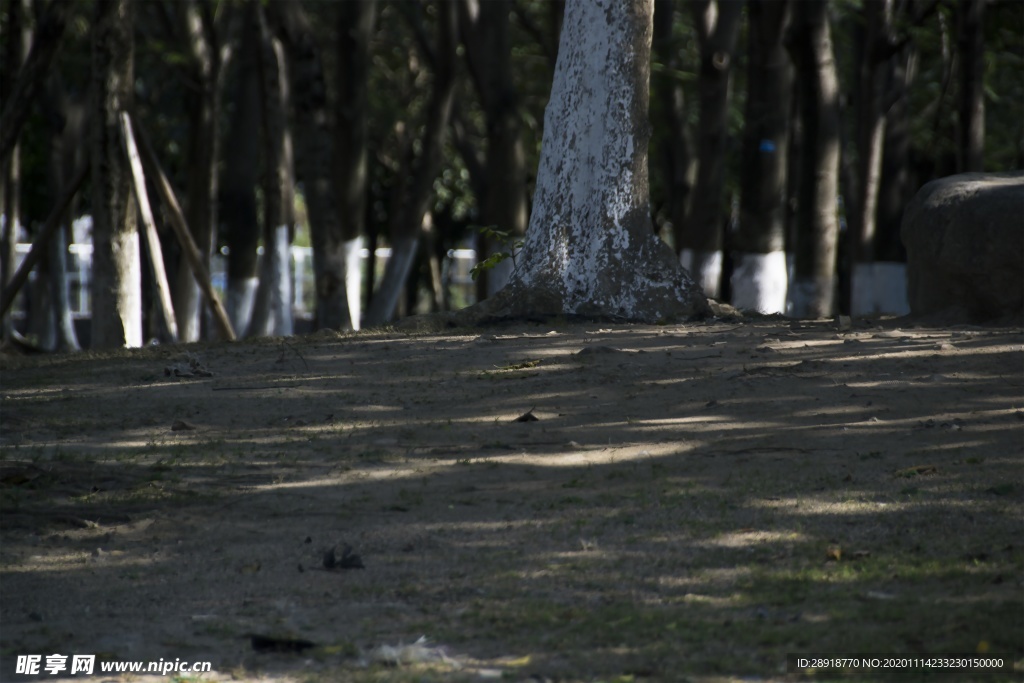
(556, 502)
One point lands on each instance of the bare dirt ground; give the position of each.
(674, 503)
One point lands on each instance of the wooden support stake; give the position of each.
(150, 239)
(38, 250)
(181, 231)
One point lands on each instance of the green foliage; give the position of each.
(509, 247)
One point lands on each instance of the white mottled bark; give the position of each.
(590, 249)
(759, 282)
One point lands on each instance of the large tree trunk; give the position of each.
(760, 279)
(355, 28)
(718, 23)
(678, 161)
(590, 249)
(412, 190)
(116, 268)
(971, 50)
(484, 29)
(812, 292)
(241, 175)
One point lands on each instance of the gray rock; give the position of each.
(964, 236)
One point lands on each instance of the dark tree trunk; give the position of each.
(241, 157)
(17, 40)
(678, 162)
(971, 49)
(116, 268)
(313, 159)
(759, 281)
(411, 192)
(205, 72)
(46, 40)
(861, 197)
(355, 28)
(273, 314)
(810, 44)
(895, 189)
(718, 23)
(66, 155)
(484, 30)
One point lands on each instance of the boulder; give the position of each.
(964, 236)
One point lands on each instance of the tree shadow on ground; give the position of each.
(680, 506)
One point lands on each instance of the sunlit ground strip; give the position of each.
(62, 562)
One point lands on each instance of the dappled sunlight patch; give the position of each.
(752, 537)
(720, 421)
(666, 510)
(805, 505)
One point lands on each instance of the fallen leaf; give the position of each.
(181, 426)
(834, 553)
(528, 416)
(908, 472)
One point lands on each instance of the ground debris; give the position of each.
(191, 368)
(418, 652)
(348, 559)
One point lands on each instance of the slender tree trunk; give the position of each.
(718, 23)
(679, 162)
(116, 268)
(895, 189)
(355, 28)
(812, 292)
(69, 128)
(760, 278)
(32, 69)
(18, 37)
(241, 175)
(412, 191)
(484, 29)
(274, 299)
(590, 249)
(862, 196)
(203, 152)
(971, 48)
(313, 158)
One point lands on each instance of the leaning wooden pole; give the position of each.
(181, 231)
(38, 251)
(150, 238)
